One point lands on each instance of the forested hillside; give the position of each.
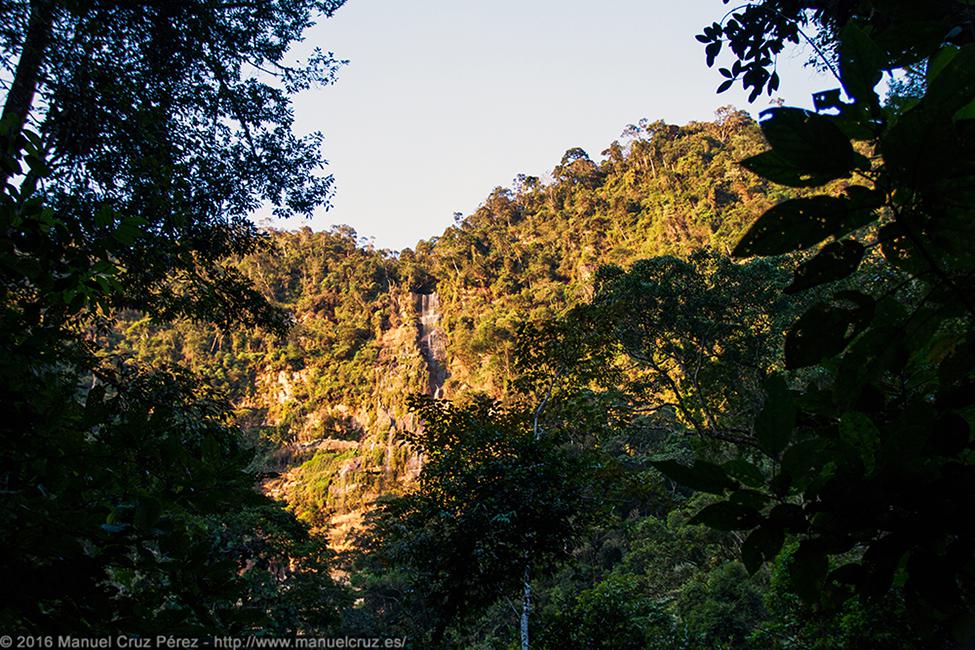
(329, 400)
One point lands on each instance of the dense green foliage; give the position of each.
(490, 490)
(874, 468)
(129, 504)
(645, 442)
(153, 110)
(329, 399)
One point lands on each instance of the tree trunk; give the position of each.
(526, 606)
(27, 75)
(526, 594)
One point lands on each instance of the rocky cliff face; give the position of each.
(344, 456)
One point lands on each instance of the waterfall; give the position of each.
(432, 342)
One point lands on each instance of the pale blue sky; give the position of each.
(443, 100)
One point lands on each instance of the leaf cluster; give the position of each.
(874, 458)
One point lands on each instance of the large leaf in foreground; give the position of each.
(800, 223)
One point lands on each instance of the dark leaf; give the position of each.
(773, 167)
(899, 250)
(935, 580)
(835, 261)
(807, 571)
(761, 545)
(951, 87)
(966, 112)
(861, 63)
(727, 516)
(745, 472)
(860, 433)
(752, 498)
(775, 422)
(938, 61)
(923, 146)
(800, 223)
(825, 330)
(712, 51)
(951, 432)
(147, 513)
(810, 141)
(880, 561)
(848, 574)
(788, 516)
(702, 475)
(863, 197)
